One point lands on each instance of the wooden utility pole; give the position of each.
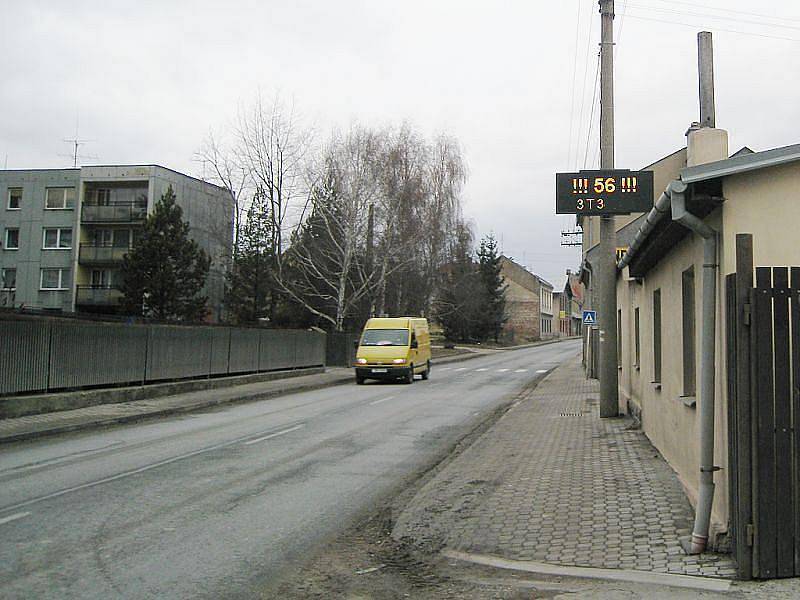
(607, 268)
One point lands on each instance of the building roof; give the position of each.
(741, 163)
(117, 166)
(518, 274)
(664, 233)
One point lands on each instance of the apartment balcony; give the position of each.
(101, 254)
(98, 296)
(115, 212)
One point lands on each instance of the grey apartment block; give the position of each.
(65, 231)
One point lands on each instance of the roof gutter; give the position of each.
(661, 208)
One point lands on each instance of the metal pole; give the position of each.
(607, 269)
(705, 68)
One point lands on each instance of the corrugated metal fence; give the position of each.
(45, 355)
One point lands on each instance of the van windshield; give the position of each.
(385, 337)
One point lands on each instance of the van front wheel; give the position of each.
(410, 375)
(427, 372)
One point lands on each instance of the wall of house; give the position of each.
(766, 203)
(522, 312)
(669, 419)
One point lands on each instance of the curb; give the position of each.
(98, 423)
(163, 412)
(695, 582)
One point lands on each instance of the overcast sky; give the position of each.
(147, 81)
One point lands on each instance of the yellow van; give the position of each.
(394, 348)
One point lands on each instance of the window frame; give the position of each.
(688, 332)
(8, 198)
(636, 339)
(63, 197)
(3, 286)
(59, 231)
(61, 287)
(619, 338)
(6, 245)
(657, 356)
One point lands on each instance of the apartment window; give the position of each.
(636, 336)
(687, 287)
(14, 198)
(12, 239)
(57, 239)
(102, 237)
(98, 197)
(619, 338)
(60, 198)
(101, 278)
(657, 336)
(54, 279)
(8, 279)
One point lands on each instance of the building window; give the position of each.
(636, 337)
(657, 336)
(12, 239)
(101, 278)
(8, 279)
(98, 197)
(687, 286)
(14, 198)
(57, 239)
(54, 279)
(619, 338)
(60, 198)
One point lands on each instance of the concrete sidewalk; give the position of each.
(551, 482)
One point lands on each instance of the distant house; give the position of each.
(529, 304)
(568, 304)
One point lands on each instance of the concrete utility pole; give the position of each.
(606, 264)
(705, 68)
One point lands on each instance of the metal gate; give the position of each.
(764, 417)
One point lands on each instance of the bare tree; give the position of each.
(227, 172)
(328, 274)
(273, 147)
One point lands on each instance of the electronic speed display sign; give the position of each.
(607, 192)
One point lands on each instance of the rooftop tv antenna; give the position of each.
(77, 142)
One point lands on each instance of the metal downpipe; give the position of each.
(699, 538)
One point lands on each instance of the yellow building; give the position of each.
(677, 331)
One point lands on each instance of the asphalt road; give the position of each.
(218, 504)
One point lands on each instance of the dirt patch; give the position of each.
(366, 562)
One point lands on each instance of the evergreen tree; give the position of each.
(459, 303)
(164, 274)
(493, 292)
(250, 280)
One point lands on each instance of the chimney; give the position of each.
(705, 143)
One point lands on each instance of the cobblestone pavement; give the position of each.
(552, 482)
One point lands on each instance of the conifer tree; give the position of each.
(163, 275)
(460, 300)
(494, 290)
(250, 280)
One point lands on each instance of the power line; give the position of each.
(635, 6)
(574, 74)
(583, 89)
(591, 115)
(729, 10)
(714, 28)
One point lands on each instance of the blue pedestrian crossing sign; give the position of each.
(590, 317)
